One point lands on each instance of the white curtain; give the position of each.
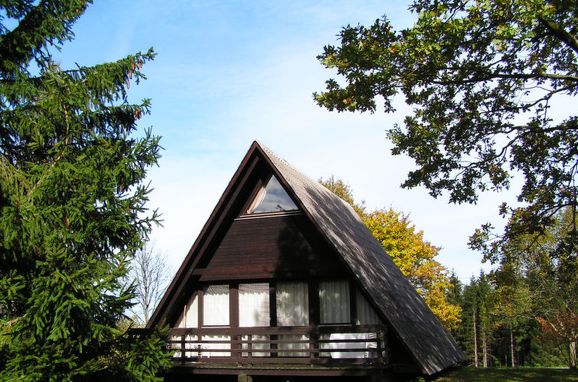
(334, 302)
(292, 304)
(293, 310)
(216, 305)
(254, 305)
(335, 345)
(254, 311)
(365, 313)
(258, 199)
(189, 318)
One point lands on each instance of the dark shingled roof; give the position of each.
(432, 348)
(422, 333)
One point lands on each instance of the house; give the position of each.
(285, 280)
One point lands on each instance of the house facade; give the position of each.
(285, 280)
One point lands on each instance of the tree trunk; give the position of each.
(485, 349)
(512, 346)
(572, 355)
(475, 340)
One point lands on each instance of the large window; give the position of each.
(216, 305)
(292, 304)
(254, 305)
(334, 302)
(190, 316)
(293, 310)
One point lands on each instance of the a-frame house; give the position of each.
(285, 280)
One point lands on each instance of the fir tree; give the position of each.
(72, 204)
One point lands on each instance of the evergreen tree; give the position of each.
(72, 204)
(467, 333)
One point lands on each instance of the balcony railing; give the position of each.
(329, 344)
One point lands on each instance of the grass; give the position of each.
(472, 374)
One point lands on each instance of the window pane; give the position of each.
(272, 198)
(334, 302)
(190, 316)
(292, 304)
(216, 305)
(254, 305)
(365, 313)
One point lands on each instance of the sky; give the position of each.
(230, 72)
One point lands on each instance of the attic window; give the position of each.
(272, 198)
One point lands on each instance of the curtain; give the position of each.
(216, 305)
(293, 310)
(192, 312)
(292, 304)
(365, 313)
(258, 199)
(254, 305)
(334, 302)
(189, 318)
(254, 311)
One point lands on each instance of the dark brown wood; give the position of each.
(234, 318)
(352, 303)
(279, 246)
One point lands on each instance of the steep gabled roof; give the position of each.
(393, 296)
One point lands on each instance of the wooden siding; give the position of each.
(273, 247)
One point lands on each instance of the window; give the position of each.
(272, 198)
(216, 305)
(292, 304)
(190, 316)
(254, 305)
(293, 310)
(334, 302)
(365, 313)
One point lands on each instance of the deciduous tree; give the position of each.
(481, 77)
(151, 274)
(72, 204)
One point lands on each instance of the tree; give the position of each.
(548, 275)
(72, 204)
(481, 77)
(513, 301)
(476, 329)
(151, 274)
(414, 256)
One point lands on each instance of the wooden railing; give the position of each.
(264, 345)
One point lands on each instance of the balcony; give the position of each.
(331, 345)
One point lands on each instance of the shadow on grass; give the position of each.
(471, 374)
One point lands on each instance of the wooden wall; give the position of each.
(277, 246)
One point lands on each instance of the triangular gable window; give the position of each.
(272, 198)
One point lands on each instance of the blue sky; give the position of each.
(230, 72)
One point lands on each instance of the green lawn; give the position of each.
(471, 374)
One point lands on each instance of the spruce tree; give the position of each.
(72, 204)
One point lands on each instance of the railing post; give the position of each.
(313, 344)
(183, 348)
(250, 346)
(381, 346)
